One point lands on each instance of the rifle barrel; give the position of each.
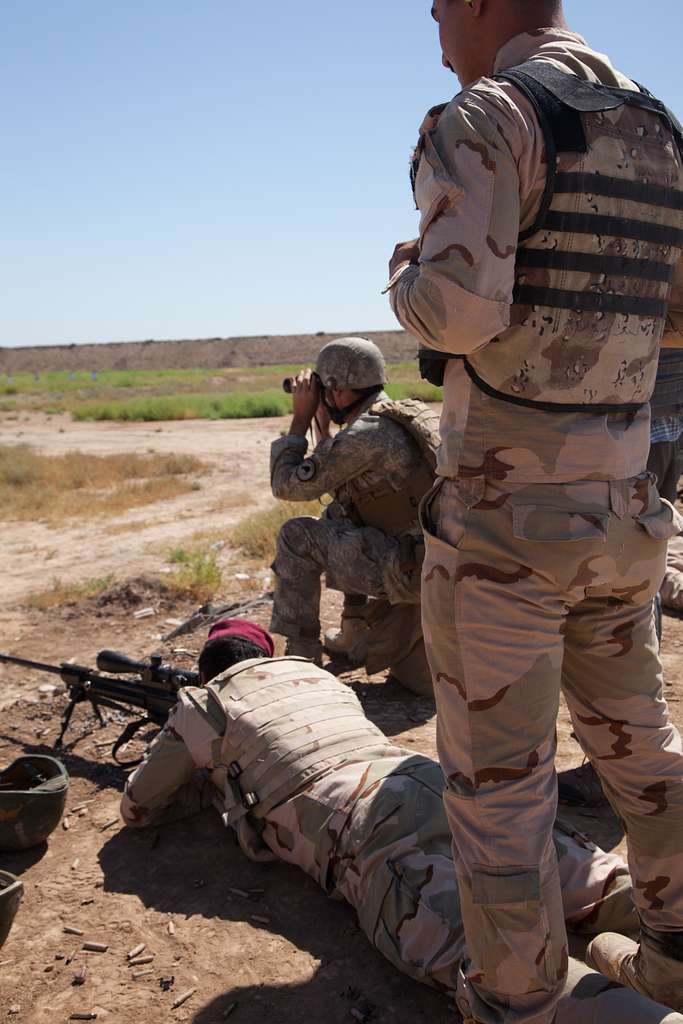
(39, 666)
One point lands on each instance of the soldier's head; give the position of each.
(231, 641)
(350, 371)
(471, 32)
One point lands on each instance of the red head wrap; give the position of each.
(245, 631)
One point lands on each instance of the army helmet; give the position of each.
(33, 793)
(354, 363)
(11, 891)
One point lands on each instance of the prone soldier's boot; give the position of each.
(654, 968)
(581, 786)
(305, 647)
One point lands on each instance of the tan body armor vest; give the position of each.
(388, 508)
(288, 723)
(593, 273)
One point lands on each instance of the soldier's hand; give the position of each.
(322, 421)
(405, 252)
(305, 396)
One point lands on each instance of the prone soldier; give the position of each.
(323, 789)
(368, 542)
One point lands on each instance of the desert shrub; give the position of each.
(198, 574)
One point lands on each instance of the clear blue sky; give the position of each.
(175, 169)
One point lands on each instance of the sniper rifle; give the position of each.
(153, 689)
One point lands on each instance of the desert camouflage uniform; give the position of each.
(358, 560)
(374, 833)
(546, 542)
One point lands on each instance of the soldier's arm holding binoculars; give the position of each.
(307, 405)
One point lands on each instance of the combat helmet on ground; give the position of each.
(354, 363)
(33, 793)
(11, 891)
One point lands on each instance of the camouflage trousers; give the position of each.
(357, 560)
(527, 590)
(376, 835)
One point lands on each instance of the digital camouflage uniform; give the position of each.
(546, 539)
(370, 456)
(373, 832)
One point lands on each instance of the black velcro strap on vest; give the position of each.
(559, 99)
(619, 188)
(617, 227)
(557, 298)
(560, 122)
(569, 89)
(592, 263)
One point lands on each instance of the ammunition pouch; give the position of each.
(433, 365)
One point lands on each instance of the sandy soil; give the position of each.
(236, 451)
(261, 936)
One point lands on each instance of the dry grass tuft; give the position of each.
(55, 488)
(256, 533)
(67, 593)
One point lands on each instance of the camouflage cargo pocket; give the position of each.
(540, 523)
(515, 929)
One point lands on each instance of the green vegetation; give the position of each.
(152, 395)
(415, 389)
(59, 487)
(188, 407)
(198, 574)
(256, 533)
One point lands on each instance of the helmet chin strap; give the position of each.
(339, 416)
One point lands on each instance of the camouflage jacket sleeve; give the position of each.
(172, 782)
(471, 167)
(297, 476)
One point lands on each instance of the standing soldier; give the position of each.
(369, 542)
(551, 199)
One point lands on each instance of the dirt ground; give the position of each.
(261, 938)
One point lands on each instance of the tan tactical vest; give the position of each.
(593, 274)
(390, 507)
(288, 723)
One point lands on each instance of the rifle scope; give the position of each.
(120, 664)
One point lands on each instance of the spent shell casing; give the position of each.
(183, 998)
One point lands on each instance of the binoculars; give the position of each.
(287, 383)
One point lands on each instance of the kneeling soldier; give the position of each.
(368, 542)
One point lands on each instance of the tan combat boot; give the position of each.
(349, 642)
(305, 647)
(654, 968)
